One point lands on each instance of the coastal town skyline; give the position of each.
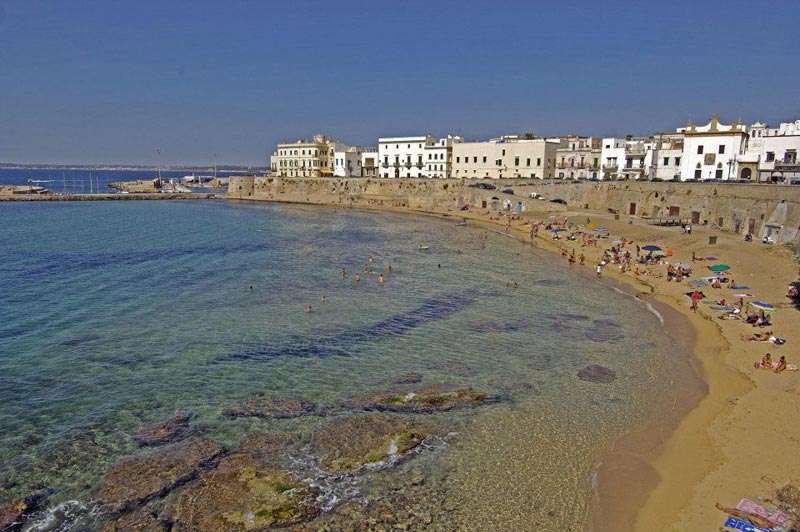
(226, 83)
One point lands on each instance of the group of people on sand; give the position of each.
(766, 362)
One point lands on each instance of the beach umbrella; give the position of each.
(760, 305)
(651, 247)
(719, 268)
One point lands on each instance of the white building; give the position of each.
(304, 158)
(347, 160)
(667, 155)
(628, 158)
(369, 163)
(578, 157)
(771, 153)
(511, 156)
(403, 156)
(439, 157)
(711, 151)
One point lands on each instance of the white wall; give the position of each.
(710, 144)
(405, 156)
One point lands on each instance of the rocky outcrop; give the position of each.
(264, 406)
(166, 431)
(242, 494)
(347, 444)
(597, 373)
(438, 398)
(14, 514)
(132, 482)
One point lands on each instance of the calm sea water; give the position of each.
(114, 314)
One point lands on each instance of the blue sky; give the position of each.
(110, 81)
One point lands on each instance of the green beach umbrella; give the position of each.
(719, 267)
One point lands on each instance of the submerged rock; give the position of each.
(438, 398)
(346, 444)
(132, 482)
(408, 378)
(265, 406)
(242, 494)
(166, 431)
(597, 373)
(144, 519)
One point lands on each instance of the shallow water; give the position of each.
(117, 314)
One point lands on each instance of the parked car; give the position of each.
(508, 191)
(558, 200)
(535, 195)
(487, 186)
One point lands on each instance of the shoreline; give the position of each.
(626, 475)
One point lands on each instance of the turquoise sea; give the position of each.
(117, 314)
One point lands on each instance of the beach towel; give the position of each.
(777, 517)
(739, 287)
(739, 524)
(697, 283)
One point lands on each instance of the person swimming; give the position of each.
(309, 308)
(380, 278)
(322, 299)
(356, 278)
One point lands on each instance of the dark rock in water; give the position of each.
(346, 444)
(605, 331)
(144, 519)
(500, 326)
(269, 447)
(408, 378)
(264, 406)
(242, 494)
(132, 482)
(14, 514)
(597, 373)
(166, 431)
(437, 398)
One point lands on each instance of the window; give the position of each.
(484, 159)
(474, 159)
(721, 148)
(677, 161)
(458, 159)
(700, 150)
(528, 161)
(499, 162)
(504, 153)
(666, 161)
(718, 173)
(539, 161)
(770, 156)
(516, 161)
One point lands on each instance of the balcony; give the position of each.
(787, 163)
(384, 165)
(407, 164)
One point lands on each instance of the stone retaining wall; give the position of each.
(764, 209)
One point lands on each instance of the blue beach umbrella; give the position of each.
(651, 247)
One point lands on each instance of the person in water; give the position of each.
(356, 278)
(344, 273)
(380, 278)
(322, 299)
(309, 308)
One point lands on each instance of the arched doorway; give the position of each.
(746, 173)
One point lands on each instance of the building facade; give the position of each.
(711, 151)
(667, 155)
(439, 157)
(628, 158)
(403, 156)
(304, 158)
(510, 156)
(772, 153)
(578, 158)
(369, 163)
(347, 160)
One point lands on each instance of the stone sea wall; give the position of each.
(772, 210)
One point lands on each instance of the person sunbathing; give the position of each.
(765, 362)
(781, 365)
(758, 337)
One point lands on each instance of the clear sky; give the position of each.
(110, 81)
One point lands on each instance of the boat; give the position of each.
(424, 248)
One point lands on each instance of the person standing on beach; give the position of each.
(599, 270)
(696, 296)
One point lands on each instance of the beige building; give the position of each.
(578, 158)
(511, 156)
(305, 158)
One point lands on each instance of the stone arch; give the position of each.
(746, 173)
